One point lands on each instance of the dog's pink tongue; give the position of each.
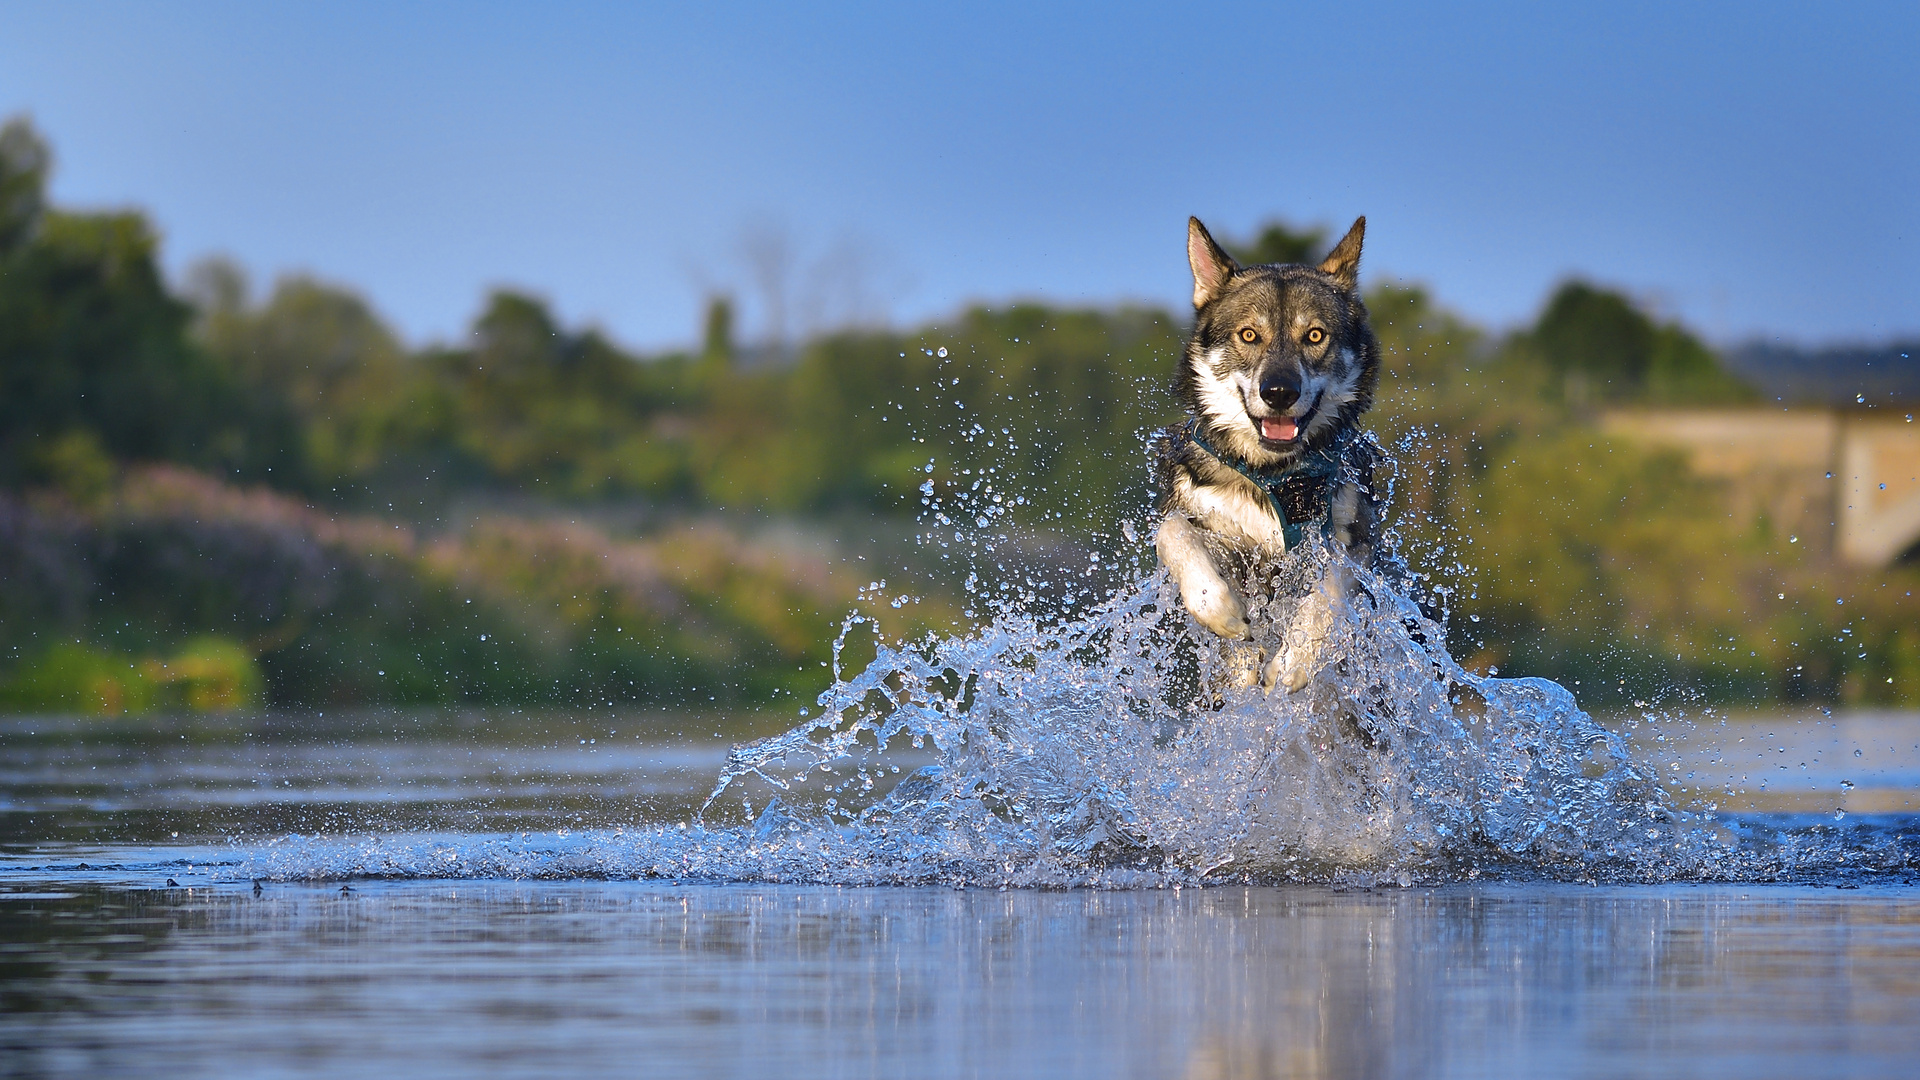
(1279, 428)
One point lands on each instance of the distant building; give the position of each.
(1846, 484)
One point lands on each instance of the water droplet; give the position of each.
(941, 352)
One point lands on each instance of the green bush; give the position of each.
(205, 674)
(208, 674)
(72, 677)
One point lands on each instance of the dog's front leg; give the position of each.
(1352, 517)
(1305, 638)
(1206, 594)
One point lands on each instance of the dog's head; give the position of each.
(1282, 358)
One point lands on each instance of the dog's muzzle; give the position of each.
(1279, 391)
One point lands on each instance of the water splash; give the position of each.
(1120, 743)
(1117, 748)
(1113, 743)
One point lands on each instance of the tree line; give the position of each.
(1553, 550)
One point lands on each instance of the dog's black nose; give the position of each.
(1279, 389)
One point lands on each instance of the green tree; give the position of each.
(1278, 242)
(91, 341)
(717, 346)
(1600, 347)
(325, 353)
(24, 161)
(568, 413)
(1055, 397)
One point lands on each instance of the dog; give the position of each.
(1280, 366)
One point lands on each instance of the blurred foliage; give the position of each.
(210, 673)
(195, 489)
(207, 673)
(1279, 242)
(319, 356)
(69, 676)
(24, 162)
(1600, 348)
(92, 345)
(343, 609)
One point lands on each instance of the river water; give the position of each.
(511, 908)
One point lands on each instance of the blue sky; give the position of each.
(1753, 169)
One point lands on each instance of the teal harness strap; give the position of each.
(1318, 464)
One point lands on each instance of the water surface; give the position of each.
(602, 969)
(649, 979)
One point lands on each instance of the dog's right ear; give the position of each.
(1211, 266)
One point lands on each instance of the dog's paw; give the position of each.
(1295, 677)
(1290, 669)
(1298, 656)
(1220, 609)
(1242, 663)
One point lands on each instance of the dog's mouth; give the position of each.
(1285, 430)
(1279, 428)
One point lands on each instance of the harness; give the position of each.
(1322, 465)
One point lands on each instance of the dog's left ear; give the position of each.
(1344, 264)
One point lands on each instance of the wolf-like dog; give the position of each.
(1280, 366)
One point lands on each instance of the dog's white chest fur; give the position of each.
(1235, 510)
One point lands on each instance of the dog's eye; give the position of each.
(1249, 335)
(1316, 335)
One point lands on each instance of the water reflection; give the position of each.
(736, 980)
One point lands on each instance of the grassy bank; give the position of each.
(172, 588)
